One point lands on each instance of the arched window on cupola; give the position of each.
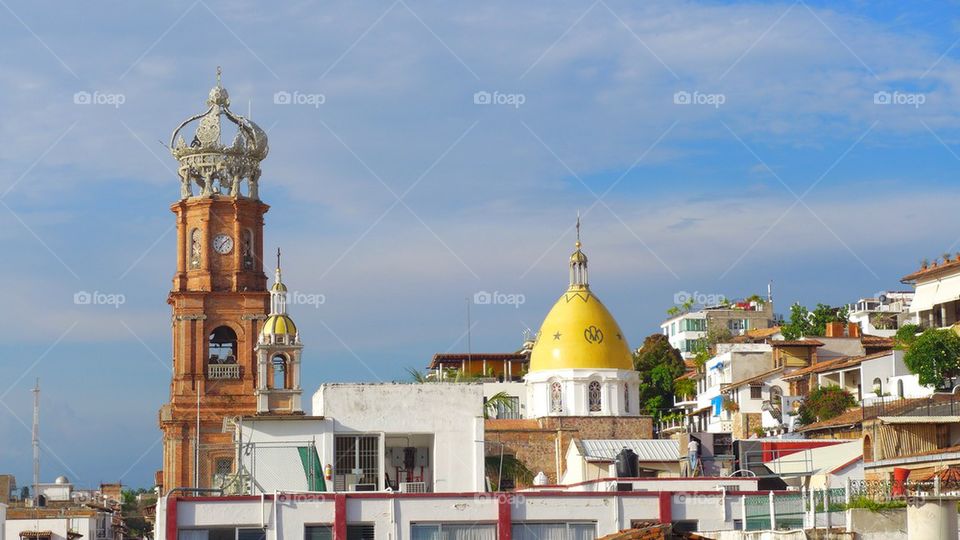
(279, 372)
(556, 397)
(593, 396)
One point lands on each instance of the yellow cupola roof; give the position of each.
(278, 323)
(579, 332)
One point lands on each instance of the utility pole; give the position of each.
(36, 443)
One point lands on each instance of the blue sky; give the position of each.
(798, 176)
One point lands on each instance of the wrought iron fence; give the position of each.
(254, 468)
(893, 490)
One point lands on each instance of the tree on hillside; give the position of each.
(658, 363)
(934, 356)
(824, 403)
(804, 322)
(707, 346)
(906, 335)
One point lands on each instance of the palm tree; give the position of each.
(500, 400)
(510, 466)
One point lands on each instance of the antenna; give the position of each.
(469, 344)
(36, 443)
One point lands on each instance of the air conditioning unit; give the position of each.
(413, 487)
(362, 487)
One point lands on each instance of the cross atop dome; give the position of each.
(219, 169)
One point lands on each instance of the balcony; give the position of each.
(223, 371)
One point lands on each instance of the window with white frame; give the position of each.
(626, 397)
(556, 397)
(453, 531)
(593, 395)
(554, 531)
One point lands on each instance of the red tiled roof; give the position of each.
(753, 379)
(796, 343)
(459, 358)
(931, 271)
(511, 424)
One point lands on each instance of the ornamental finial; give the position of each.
(219, 73)
(578, 229)
(278, 258)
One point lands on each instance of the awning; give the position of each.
(935, 292)
(717, 403)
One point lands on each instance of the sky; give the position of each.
(431, 152)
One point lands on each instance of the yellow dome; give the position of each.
(279, 287)
(278, 324)
(579, 332)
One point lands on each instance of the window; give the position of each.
(554, 531)
(695, 325)
(878, 387)
(356, 460)
(360, 532)
(756, 391)
(556, 397)
(222, 468)
(900, 388)
(508, 407)
(594, 396)
(318, 532)
(251, 534)
(279, 372)
(943, 436)
(737, 325)
(453, 531)
(626, 397)
(101, 526)
(247, 250)
(223, 346)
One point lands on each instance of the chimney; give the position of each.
(834, 329)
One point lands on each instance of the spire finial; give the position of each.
(219, 72)
(278, 258)
(578, 229)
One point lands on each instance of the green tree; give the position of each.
(658, 364)
(825, 403)
(906, 335)
(934, 356)
(804, 322)
(705, 349)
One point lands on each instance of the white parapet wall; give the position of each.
(286, 515)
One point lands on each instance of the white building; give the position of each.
(584, 512)
(66, 514)
(883, 314)
(734, 362)
(686, 330)
(591, 459)
(373, 437)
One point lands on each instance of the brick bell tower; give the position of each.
(219, 296)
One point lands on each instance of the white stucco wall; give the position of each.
(452, 413)
(58, 526)
(393, 516)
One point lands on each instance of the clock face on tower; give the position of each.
(223, 244)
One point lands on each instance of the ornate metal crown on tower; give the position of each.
(216, 168)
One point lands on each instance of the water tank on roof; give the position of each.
(626, 464)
